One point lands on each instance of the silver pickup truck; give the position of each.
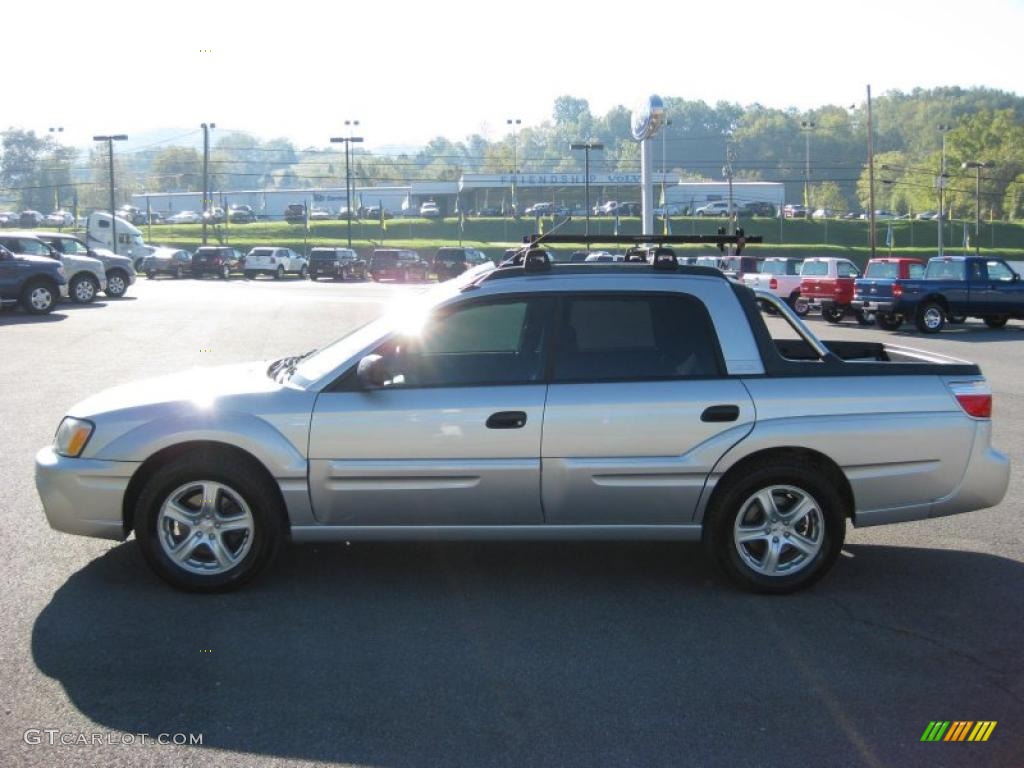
(539, 401)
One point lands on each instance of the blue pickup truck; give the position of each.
(35, 282)
(968, 286)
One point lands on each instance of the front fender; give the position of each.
(278, 442)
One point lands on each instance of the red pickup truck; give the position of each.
(827, 284)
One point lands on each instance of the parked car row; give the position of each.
(38, 268)
(324, 262)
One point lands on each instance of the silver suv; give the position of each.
(118, 269)
(578, 401)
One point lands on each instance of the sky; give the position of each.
(409, 71)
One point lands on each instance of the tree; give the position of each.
(176, 169)
(827, 194)
(35, 170)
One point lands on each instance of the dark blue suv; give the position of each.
(36, 282)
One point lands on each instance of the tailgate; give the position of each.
(874, 288)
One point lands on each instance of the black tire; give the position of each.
(249, 275)
(279, 272)
(863, 318)
(39, 296)
(178, 273)
(833, 314)
(931, 317)
(956, 319)
(799, 305)
(313, 278)
(889, 321)
(303, 272)
(996, 321)
(827, 528)
(151, 274)
(225, 272)
(83, 289)
(117, 284)
(243, 478)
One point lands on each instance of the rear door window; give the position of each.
(814, 269)
(639, 337)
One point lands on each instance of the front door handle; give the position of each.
(507, 420)
(721, 413)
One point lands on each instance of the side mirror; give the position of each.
(373, 372)
(1016, 277)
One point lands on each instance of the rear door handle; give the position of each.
(507, 420)
(721, 413)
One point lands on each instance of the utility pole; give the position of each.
(727, 172)
(206, 175)
(586, 146)
(871, 177)
(941, 184)
(807, 126)
(977, 199)
(110, 139)
(348, 140)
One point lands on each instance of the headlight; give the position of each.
(72, 435)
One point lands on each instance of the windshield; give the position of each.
(407, 314)
(884, 270)
(450, 257)
(388, 259)
(781, 268)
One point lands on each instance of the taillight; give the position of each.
(773, 283)
(897, 290)
(974, 397)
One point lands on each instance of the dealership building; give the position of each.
(496, 192)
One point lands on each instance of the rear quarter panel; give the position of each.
(900, 440)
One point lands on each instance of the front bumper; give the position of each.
(83, 496)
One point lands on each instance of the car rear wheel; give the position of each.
(117, 284)
(151, 274)
(179, 273)
(303, 272)
(39, 297)
(931, 318)
(83, 289)
(225, 272)
(279, 273)
(833, 314)
(996, 321)
(206, 522)
(888, 321)
(779, 528)
(249, 275)
(862, 317)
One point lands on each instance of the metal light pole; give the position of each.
(977, 199)
(348, 141)
(807, 126)
(56, 189)
(514, 121)
(941, 184)
(664, 200)
(871, 177)
(586, 146)
(206, 174)
(110, 139)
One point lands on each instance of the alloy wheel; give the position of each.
(779, 530)
(205, 527)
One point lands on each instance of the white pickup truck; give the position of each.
(276, 262)
(780, 275)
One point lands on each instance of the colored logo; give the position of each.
(958, 730)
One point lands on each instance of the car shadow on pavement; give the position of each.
(24, 318)
(547, 654)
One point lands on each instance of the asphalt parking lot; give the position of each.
(483, 654)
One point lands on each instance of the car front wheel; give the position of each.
(800, 305)
(117, 284)
(303, 272)
(889, 322)
(279, 273)
(39, 297)
(82, 290)
(207, 523)
(779, 528)
(996, 321)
